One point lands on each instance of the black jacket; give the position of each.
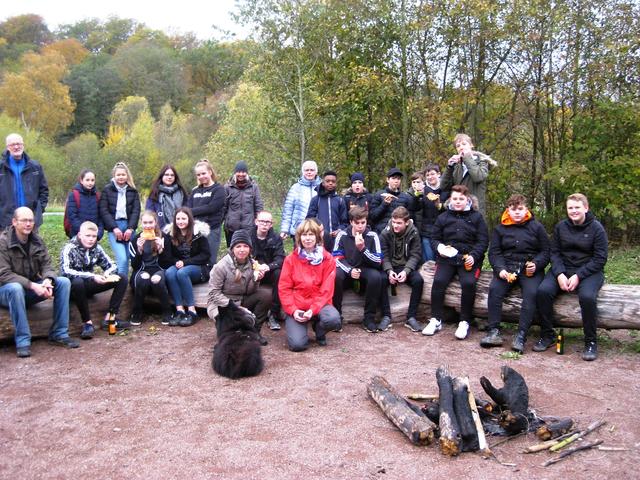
(466, 231)
(352, 200)
(270, 251)
(410, 245)
(430, 210)
(330, 208)
(198, 253)
(579, 249)
(108, 202)
(514, 244)
(348, 256)
(380, 212)
(146, 260)
(34, 185)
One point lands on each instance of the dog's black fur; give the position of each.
(237, 353)
(513, 398)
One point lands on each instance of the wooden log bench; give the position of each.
(618, 306)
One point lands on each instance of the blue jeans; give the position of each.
(120, 249)
(17, 299)
(427, 251)
(180, 282)
(214, 243)
(328, 319)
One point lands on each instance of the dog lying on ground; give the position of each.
(237, 353)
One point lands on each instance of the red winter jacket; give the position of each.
(304, 286)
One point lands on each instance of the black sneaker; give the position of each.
(322, 341)
(174, 321)
(492, 339)
(135, 319)
(590, 352)
(66, 342)
(369, 326)
(87, 331)
(166, 318)
(413, 324)
(518, 342)
(188, 319)
(23, 352)
(544, 343)
(272, 321)
(385, 323)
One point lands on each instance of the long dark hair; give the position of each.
(155, 186)
(176, 234)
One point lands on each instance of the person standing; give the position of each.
(356, 195)
(22, 183)
(207, 204)
(242, 201)
(579, 250)
(432, 205)
(269, 253)
(27, 277)
(166, 195)
(87, 206)
(385, 201)
(329, 208)
(298, 198)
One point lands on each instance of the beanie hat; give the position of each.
(357, 176)
(240, 236)
(241, 166)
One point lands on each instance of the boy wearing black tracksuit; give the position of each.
(359, 261)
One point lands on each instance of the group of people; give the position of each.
(369, 242)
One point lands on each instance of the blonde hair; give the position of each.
(309, 225)
(123, 166)
(205, 163)
(88, 226)
(579, 197)
(462, 136)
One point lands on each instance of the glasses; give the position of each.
(265, 222)
(26, 220)
(15, 145)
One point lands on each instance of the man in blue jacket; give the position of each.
(579, 251)
(330, 208)
(22, 182)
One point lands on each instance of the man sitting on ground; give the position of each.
(26, 278)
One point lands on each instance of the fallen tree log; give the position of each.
(554, 429)
(418, 428)
(618, 305)
(450, 438)
(468, 431)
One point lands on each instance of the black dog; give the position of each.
(237, 353)
(513, 398)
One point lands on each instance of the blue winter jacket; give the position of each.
(330, 208)
(87, 211)
(297, 203)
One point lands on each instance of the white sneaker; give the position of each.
(462, 331)
(432, 327)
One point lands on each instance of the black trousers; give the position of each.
(371, 282)
(442, 277)
(416, 282)
(588, 289)
(84, 288)
(499, 289)
(142, 287)
(272, 278)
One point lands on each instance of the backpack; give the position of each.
(66, 222)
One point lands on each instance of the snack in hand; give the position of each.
(148, 234)
(432, 196)
(112, 278)
(511, 277)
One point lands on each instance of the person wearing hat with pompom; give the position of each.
(235, 278)
(242, 201)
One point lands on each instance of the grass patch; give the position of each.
(510, 355)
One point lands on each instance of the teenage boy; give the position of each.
(357, 195)
(78, 259)
(385, 201)
(469, 168)
(518, 253)
(359, 260)
(268, 250)
(416, 192)
(579, 251)
(329, 208)
(401, 260)
(460, 237)
(432, 205)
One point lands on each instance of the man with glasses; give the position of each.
(268, 250)
(22, 182)
(27, 277)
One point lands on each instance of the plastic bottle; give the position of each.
(560, 342)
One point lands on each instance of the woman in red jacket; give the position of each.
(306, 288)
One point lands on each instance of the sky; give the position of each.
(182, 16)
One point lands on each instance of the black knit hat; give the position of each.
(241, 236)
(357, 176)
(241, 166)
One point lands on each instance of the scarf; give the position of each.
(315, 257)
(169, 198)
(121, 204)
(16, 167)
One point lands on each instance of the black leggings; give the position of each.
(499, 289)
(372, 282)
(142, 286)
(84, 288)
(443, 276)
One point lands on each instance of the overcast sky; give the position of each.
(181, 16)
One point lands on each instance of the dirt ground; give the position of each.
(148, 405)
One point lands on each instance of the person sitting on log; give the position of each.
(460, 237)
(269, 253)
(306, 288)
(401, 260)
(78, 259)
(359, 261)
(578, 255)
(519, 252)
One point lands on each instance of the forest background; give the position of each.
(550, 89)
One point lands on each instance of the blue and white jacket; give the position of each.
(297, 203)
